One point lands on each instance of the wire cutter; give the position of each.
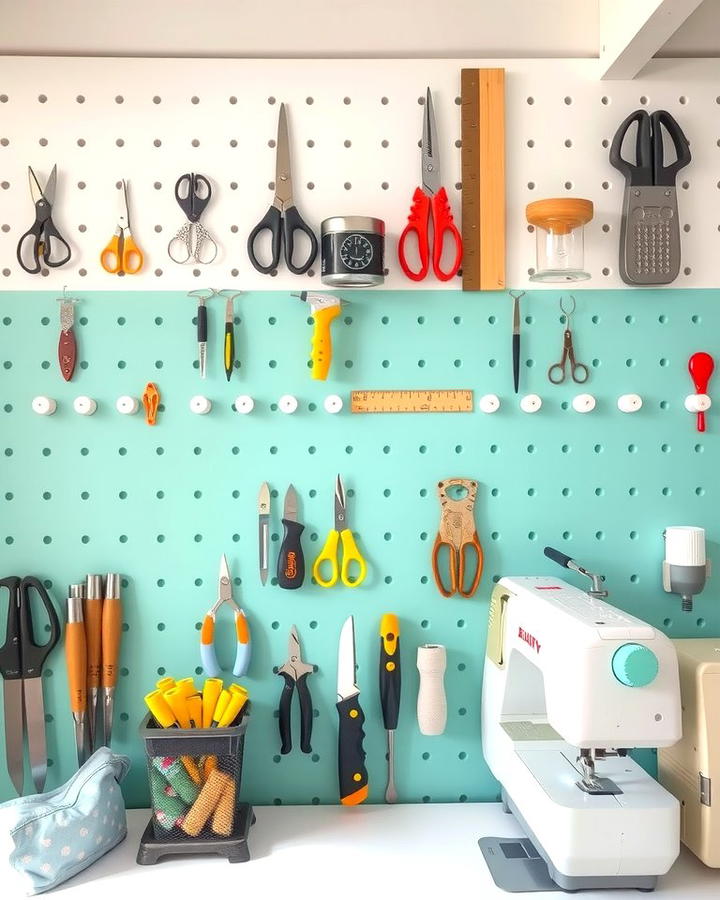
(43, 232)
(329, 553)
(207, 633)
(295, 672)
(457, 532)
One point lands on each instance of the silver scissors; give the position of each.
(578, 371)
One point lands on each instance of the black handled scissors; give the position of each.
(649, 167)
(193, 193)
(43, 234)
(579, 372)
(282, 220)
(21, 662)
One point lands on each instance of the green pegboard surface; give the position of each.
(108, 493)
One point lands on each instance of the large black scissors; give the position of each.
(38, 243)
(21, 662)
(282, 220)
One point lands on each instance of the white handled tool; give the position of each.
(431, 704)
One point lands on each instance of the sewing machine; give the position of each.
(570, 684)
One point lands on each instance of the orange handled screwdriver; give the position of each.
(93, 637)
(76, 657)
(111, 632)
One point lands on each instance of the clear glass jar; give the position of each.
(560, 238)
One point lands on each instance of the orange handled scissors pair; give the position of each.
(122, 254)
(457, 533)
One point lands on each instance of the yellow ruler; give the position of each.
(432, 401)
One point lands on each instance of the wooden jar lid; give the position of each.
(559, 215)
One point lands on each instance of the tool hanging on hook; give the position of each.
(67, 345)
(516, 295)
(203, 295)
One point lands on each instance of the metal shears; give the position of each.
(21, 663)
(457, 533)
(430, 202)
(295, 673)
(282, 220)
(340, 535)
(208, 656)
(122, 255)
(43, 233)
(557, 373)
(193, 193)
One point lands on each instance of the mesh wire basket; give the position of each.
(194, 776)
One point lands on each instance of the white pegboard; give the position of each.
(354, 130)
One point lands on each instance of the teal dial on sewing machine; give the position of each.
(634, 665)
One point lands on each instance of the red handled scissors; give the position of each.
(430, 201)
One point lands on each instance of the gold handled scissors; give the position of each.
(579, 372)
(122, 254)
(340, 535)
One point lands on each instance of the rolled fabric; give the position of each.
(205, 805)
(175, 772)
(224, 815)
(168, 808)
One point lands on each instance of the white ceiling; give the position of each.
(322, 28)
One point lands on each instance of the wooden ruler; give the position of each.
(432, 401)
(483, 179)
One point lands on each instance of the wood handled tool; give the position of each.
(111, 634)
(93, 615)
(458, 538)
(390, 692)
(352, 774)
(67, 345)
(291, 561)
(324, 309)
(76, 658)
(431, 702)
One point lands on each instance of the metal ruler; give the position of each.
(432, 401)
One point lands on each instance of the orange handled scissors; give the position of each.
(122, 254)
(458, 534)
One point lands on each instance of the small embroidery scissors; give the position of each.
(193, 193)
(579, 372)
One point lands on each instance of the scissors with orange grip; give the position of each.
(457, 533)
(122, 255)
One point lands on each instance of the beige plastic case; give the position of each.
(689, 770)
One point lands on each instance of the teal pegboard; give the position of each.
(162, 504)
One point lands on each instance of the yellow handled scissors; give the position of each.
(122, 254)
(340, 535)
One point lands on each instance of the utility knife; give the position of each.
(263, 529)
(291, 562)
(352, 774)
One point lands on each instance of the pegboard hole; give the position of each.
(531, 143)
(682, 99)
(568, 143)
(530, 101)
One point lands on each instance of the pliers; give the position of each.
(207, 634)
(295, 673)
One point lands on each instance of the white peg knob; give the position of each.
(44, 406)
(200, 405)
(84, 406)
(583, 403)
(629, 403)
(697, 403)
(489, 403)
(530, 403)
(333, 403)
(287, 404)
(244, 404)
(127, 405)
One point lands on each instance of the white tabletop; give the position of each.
(360, 853)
